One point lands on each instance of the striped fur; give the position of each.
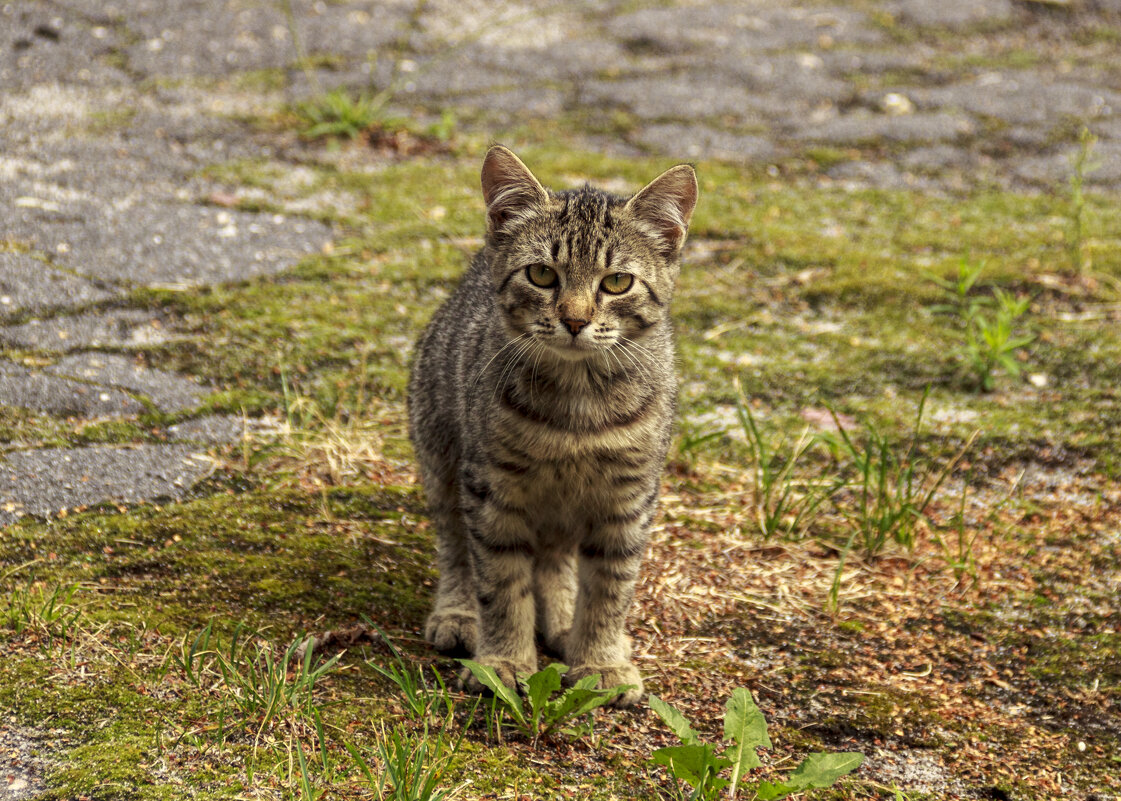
(541, 449)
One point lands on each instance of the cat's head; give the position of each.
(583, 271)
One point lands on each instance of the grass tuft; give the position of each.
(45, 612)
(992, 331)
(256, 684)
(784, 503)
(340, 114)
(1081, 165)
(421, 696)
(409, 766)
(891, 489)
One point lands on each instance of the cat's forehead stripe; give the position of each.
(562, 218)
(587, 206)
(585, 221)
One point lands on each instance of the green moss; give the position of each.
(23, 428)
(116, 58)
(826, 157)
(373, 502)
(251, 556)
(282, 561)
(106, 774)
(825, 659)
(111, 431)
(1072, 661)
(997, 59)
(107, 708)
(264, 80)
(902, 715)
(1065, 679)
(1098, 34)
(880, 713)
(107, 121)
(499, 771)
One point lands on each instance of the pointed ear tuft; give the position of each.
(508, 187)
(666, 205)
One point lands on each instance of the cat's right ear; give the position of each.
(508, 187)
(665, 206)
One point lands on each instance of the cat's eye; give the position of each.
(542, 276)
(617, 283)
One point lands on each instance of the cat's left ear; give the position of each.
(666, 205)
(508, 187)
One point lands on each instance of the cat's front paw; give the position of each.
(611, 676)
(507, 671)
(452, 630)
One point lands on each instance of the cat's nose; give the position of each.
(574, 326)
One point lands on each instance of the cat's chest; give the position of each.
(565, 491)
(563, 420)
(568, 479)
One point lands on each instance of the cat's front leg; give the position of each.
(501, 551)
(452, 625)
(610, 559)
(554, 587)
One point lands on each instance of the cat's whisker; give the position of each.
(512, 361)
(536, 359)
(510, 364)
(625, 348)
(501, 350)
(621, 347)
(634, 344)
(637, 351)
(622, 367)
(516, 359)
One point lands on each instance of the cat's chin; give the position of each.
(574, 351)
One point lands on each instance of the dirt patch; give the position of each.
(403, 143)
(27, 755)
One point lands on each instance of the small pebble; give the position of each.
(897, 104)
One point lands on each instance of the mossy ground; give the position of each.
(814, 297)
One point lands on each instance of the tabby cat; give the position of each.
(540, 408)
